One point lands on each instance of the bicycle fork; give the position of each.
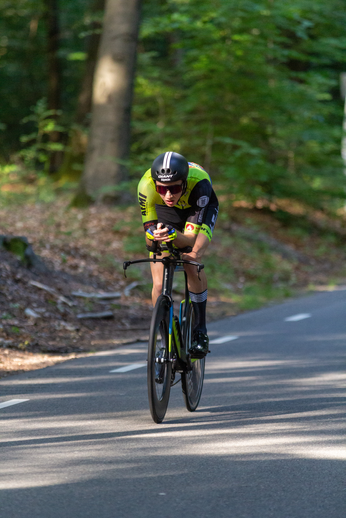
(176, 351)
(182, 360)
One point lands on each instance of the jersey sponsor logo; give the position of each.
(206, 231)
(148, 224)
(142, 203)
(166, 178)
(190, 227)
(203, 201)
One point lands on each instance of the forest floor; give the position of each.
(258, 256)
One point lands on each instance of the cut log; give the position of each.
(85, 295)
(102, 314)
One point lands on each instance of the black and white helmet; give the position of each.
(170, 167)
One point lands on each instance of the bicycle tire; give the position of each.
(192, 381)
(159, 374)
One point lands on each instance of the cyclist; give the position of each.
(179, 205)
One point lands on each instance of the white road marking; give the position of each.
(223, 339)
(128, 368)
(295, 318)
(12, 402)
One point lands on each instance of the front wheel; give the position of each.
(159, 367)
(192, 381)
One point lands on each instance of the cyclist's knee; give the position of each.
(191, 271)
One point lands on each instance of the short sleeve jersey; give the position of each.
(195, 211)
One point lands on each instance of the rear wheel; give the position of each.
(159, 366)
(192, 381)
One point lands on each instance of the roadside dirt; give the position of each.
(40, 318)
(40, 312)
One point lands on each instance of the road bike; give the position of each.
(170, 338)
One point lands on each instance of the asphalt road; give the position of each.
(268, 439)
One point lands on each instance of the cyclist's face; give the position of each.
(170, 197)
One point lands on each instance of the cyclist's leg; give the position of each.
(197, 285)
(198, 295)
(197, 282)
(156, 273)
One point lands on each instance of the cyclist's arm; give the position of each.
(199, 248)
(147, 198)
(202, 221)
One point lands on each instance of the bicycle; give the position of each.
(169, 341)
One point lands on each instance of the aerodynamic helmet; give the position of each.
(170, 167)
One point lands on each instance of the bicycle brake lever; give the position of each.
(199, 269)
(126, 264)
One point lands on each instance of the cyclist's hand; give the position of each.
(165, 233)
(193, 256)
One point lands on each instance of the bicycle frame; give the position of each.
(169, 339)
(171, 264)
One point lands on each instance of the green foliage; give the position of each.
(17, 246)
(38, 145)
(23, 53)
(248, 89)
(17, 187)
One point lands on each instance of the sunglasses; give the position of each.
(173, 189)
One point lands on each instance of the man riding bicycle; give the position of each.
(179, 205)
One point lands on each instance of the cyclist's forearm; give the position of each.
(183, 240)
(200, 245)
(148, 241)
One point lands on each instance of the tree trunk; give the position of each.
(54, 70)
(72, 166)
(85, 95)
(109, 140)
(51, 15)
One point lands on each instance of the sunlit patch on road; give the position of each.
(128, 368)
(296, 318)
(223, 339)
(12, 402)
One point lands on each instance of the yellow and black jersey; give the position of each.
(196, 210)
